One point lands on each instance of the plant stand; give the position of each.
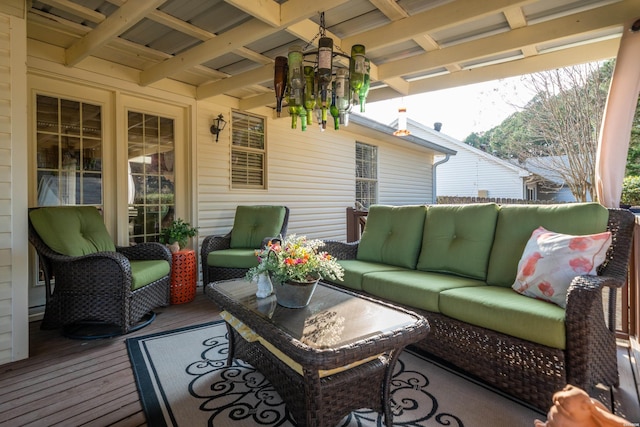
(183, 276)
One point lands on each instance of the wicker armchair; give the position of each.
(231, 255)
(109, 290)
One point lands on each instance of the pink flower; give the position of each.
(581, 265)
(530, 264)
(546, 288)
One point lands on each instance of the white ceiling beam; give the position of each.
(584, 22)
(227, 42)
(255, 76)
(447, 15)
(121, 20)
(597, 51)
(267, 11)
(515, 17)
(390, 8)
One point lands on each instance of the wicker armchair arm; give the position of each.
(105, 270)
(146, 251)
(215, 243)
(341, 250)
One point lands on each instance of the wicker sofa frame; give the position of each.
(96, 288)
(221, 242)
(529, 371)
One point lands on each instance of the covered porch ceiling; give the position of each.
(228, 47)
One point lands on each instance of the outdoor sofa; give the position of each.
(456, 264)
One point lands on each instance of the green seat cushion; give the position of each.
(504, 310)
(458, 238)
(72, 230)
(418, 289)
(517, 222)
(392, 235)
(233, 258)
(355, 270)
(148, 271)
(254, 223)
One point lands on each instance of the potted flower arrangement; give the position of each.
(177, 234)
(294, 265)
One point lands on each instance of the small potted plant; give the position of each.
(177, 234)
(295, 264)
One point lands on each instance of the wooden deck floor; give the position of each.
(90, 383)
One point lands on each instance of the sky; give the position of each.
(461, 110)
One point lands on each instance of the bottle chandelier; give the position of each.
(312, 80)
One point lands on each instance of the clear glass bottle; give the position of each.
(296, 73)
(342, 95)
(325, 65)
(280, 82)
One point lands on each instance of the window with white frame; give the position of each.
(366, 174)
(248, 151)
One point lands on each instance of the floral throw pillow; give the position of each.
(551, 260)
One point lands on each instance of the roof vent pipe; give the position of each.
(437, 126)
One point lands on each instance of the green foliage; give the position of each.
(631, 191)
(179, 231)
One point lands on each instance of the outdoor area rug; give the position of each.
(183, 381)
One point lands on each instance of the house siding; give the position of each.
(472, 170)
(13, 242)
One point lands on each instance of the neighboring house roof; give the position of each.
(425, 132)
(387, 129)
(546, 167)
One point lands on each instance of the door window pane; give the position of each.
(151, 148)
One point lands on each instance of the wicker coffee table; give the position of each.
(325, 360)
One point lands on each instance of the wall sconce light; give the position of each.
(218, 124)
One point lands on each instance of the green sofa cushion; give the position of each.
(506, 311)
(72, 230)
(254, 223)
(517, 222)
(458, 238)
(418, 289)
(392, 235)
(148, 271)
(355, 270)
(233, 258)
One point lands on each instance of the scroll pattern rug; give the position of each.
(183, 381)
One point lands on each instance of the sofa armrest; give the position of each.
(341, 250)
(591, 341)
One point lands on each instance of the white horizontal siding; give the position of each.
(311, 172)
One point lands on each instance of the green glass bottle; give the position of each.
(357, 67)
(309, 93)
(294, 108)
(364, 90)
(334, 108)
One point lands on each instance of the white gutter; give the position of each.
(447, 156)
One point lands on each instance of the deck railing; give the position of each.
(628, 306)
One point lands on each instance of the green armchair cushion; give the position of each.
(144, 272)
(72, 230)
(253, 223)
(392, 235)
(233, 258)
(458, 238)
(517, 222)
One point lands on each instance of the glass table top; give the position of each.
(333, 318)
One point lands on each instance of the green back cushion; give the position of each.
(392, 235)
(253, 223)
(458, 238)
(517, 222)
(72, 230)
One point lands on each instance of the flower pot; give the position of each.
(292, 294)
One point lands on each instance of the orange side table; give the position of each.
(183, 276)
